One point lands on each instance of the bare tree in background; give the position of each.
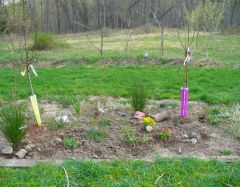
(159, 15)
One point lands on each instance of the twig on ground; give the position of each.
(67, 178)
(158, 179)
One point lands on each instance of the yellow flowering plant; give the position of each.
(148, 123)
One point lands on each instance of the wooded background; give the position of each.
(71, 16)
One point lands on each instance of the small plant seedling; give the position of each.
(164, 134)
(105, 122)
(95, 135)
(129, 136)
(147, 139)
(225, 152)
(70, 142)
(132, 139)
(77, 108)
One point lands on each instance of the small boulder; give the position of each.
(185, 136)
(8, 150)
(28, 148)
(180, 150)
(58, 140)
(21, 153)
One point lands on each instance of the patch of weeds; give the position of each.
(225, 152)
(138, 96)
(95, 135)
(77, 108)
(41, 110)
(105, 122)
(127, 122)
(234, 127)
(214, 116)
(147, 139)
(12, 123)
(70, 142)
(128, 135)
(173, 105)
(53, 125)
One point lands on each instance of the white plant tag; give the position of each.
(33, 70)
(23, 73)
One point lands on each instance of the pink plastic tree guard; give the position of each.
(184, 103)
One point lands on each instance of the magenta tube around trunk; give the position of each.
(184, 102)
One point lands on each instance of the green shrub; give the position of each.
(12, 122)
(44, 41)
(138, 96)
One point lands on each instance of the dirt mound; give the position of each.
(204, 62)
(106, 130)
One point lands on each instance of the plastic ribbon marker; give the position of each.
(34, 102)
(184, 102)
(33, 70)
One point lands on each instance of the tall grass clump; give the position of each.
(12, 122)
(234, 127)
(138, 96)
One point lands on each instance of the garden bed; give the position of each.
(105, 129)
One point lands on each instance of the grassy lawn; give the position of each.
(213, 85)
(222, 48)
(175, 172)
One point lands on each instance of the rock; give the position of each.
(101, 110)
(58, 140)
(161, 116)
(192, 135)
(163, 106)
(185, 136)
(32, 146)
(8, 150)
(139, 115)
(180, 151)
(122, 114)
(21, 154)
(28, 148)
(62, 119)
(84, 120)
(95, 156)
(39, 149)
(194, 141)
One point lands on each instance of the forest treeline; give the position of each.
(71, 16)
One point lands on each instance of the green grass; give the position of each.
(222, 48)
(213, 85)
(185, 172)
